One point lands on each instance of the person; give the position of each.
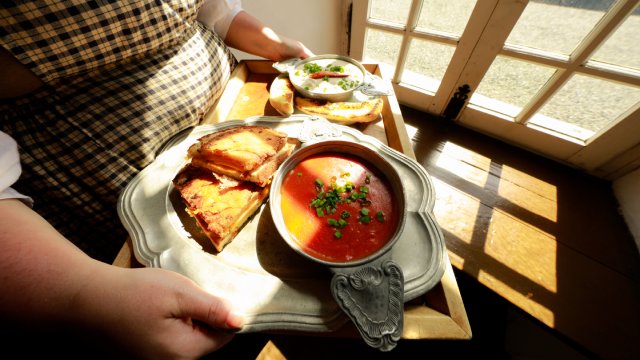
(89, 92)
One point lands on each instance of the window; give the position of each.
(558, 77)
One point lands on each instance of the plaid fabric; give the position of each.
(83, 139)
(56, 39)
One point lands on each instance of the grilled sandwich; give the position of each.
(220, 205)
(246, 153)
(227, 178)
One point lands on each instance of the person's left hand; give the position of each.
(157, 314)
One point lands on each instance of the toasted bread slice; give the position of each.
(246, 153)
(243, 148)
(220, 205)
(261, 175)
(342, 112)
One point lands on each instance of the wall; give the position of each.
(627, 191)
(317, 24)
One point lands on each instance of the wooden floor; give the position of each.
(546, 238)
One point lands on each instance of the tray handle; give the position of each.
(373, 298)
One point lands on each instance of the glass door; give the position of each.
(558, 77)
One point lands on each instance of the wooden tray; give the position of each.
(440, 313)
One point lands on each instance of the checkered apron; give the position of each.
(121, 78)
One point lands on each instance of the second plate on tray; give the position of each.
(271, 285)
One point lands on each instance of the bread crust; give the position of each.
(261, 175)
(345, 112)
(242, 148)
(281, 95)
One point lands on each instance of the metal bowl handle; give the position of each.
(374, 85)
(287, 65)
(373, 298)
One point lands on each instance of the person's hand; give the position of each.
(158, 314)
(247, 33)
(290, 49)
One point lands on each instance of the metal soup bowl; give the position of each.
(369, 290)
(342, 95)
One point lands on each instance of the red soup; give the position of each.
(337, 208)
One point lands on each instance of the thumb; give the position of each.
(213, 311)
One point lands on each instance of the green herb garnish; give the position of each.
(312, 68)
(328, 198)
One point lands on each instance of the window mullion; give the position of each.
(607, 25)
(412, 21)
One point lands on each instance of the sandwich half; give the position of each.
(220, 205)
(247, 153)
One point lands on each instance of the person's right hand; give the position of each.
(157, 314)
(249, 34)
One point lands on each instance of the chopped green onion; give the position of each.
(312, 67)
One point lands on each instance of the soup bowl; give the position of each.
(340, 204)
(326, 77)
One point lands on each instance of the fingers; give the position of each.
(221, 313)
(305, 52)
(290, 48)
(210, 310)
(202, 322)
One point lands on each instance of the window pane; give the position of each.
(622, 48)
(396, 11)
(509, 84)
(556, 26)
(426, 64)
(584, 105)
(449, 16)
(382, 47)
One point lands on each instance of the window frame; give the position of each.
(610, 153)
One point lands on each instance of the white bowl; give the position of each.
(334, 89)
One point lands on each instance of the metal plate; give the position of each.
(265, 280)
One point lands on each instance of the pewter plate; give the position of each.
(271, 285)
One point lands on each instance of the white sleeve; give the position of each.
(10, 169)
(218, 14)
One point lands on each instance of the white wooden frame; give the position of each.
(609, 154)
